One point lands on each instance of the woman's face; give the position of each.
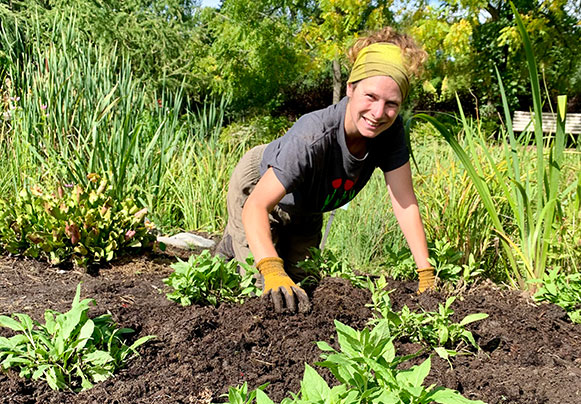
(373, 105)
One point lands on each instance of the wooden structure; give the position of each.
(522, 121)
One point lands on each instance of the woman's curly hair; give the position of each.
(414, 55)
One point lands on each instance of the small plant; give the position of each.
(85, 225)
(324, 263)
(446, 261)
(70, 351)
(367, 368)
(210, 279)
(241, 395)
(434, 329)
(562, 290)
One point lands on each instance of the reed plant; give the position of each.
(451, 206)
(529, 180)
(199, 180)
(81, 112)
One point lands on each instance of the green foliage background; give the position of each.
(277, 55)
(162, 98)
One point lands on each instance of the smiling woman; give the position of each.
(278, 192)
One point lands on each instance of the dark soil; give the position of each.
(531, 354)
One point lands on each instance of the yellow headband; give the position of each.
(381, 59)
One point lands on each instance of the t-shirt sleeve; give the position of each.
(392, 149)
(291, 156)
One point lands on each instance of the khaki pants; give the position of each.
(292, 235)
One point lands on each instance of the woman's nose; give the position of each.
(378, 109)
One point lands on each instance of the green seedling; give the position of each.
(367, 365)
(207, 279)
(70, 351)
(434, 329)
(325, 263)
(562, 290)
(241, 395)
(368, 371)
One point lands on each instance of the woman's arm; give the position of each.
(405, 207)
(267, 193)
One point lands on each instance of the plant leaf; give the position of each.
(473, 317)
(11, 323)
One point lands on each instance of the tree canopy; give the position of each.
(269, 54)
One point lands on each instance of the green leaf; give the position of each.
(313, 386)
(415, 376)
(85, 334)
(442, 352)
(11, 323)
(141, 341)
(26, 321)
(98, 358)
(262, 398)
(323, 346)
(443, 334)
(473, 317)
(447, 396)
(49, 322)
(40, 371)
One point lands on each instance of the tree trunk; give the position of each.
(336, 81)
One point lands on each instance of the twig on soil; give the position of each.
(263, 362)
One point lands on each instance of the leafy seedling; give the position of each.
(70, 351)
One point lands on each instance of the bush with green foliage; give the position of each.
(70, 351)
(207, 279)
(86, 225)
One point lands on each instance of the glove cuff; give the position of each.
(270, 265)
(428, 270)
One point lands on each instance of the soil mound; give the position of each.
(530, 354)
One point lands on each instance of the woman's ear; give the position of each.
(350, 89)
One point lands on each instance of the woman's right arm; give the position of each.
(261, 201)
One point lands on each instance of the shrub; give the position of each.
(85, 225)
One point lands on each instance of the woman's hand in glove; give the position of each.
(276, 284)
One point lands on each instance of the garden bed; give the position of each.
(531, 354)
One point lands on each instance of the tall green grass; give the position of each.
(80, 112)
(530, 184)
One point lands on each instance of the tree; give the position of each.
(331, 31)
(467, 39)
(251, 52)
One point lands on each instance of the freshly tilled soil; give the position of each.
(530, 354)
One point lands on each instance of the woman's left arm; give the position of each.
(405, 207)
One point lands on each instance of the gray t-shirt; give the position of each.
(315, 167)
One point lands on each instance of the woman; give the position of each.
(278, 192)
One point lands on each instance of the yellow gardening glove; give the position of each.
(427, 279)
(276, 284)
